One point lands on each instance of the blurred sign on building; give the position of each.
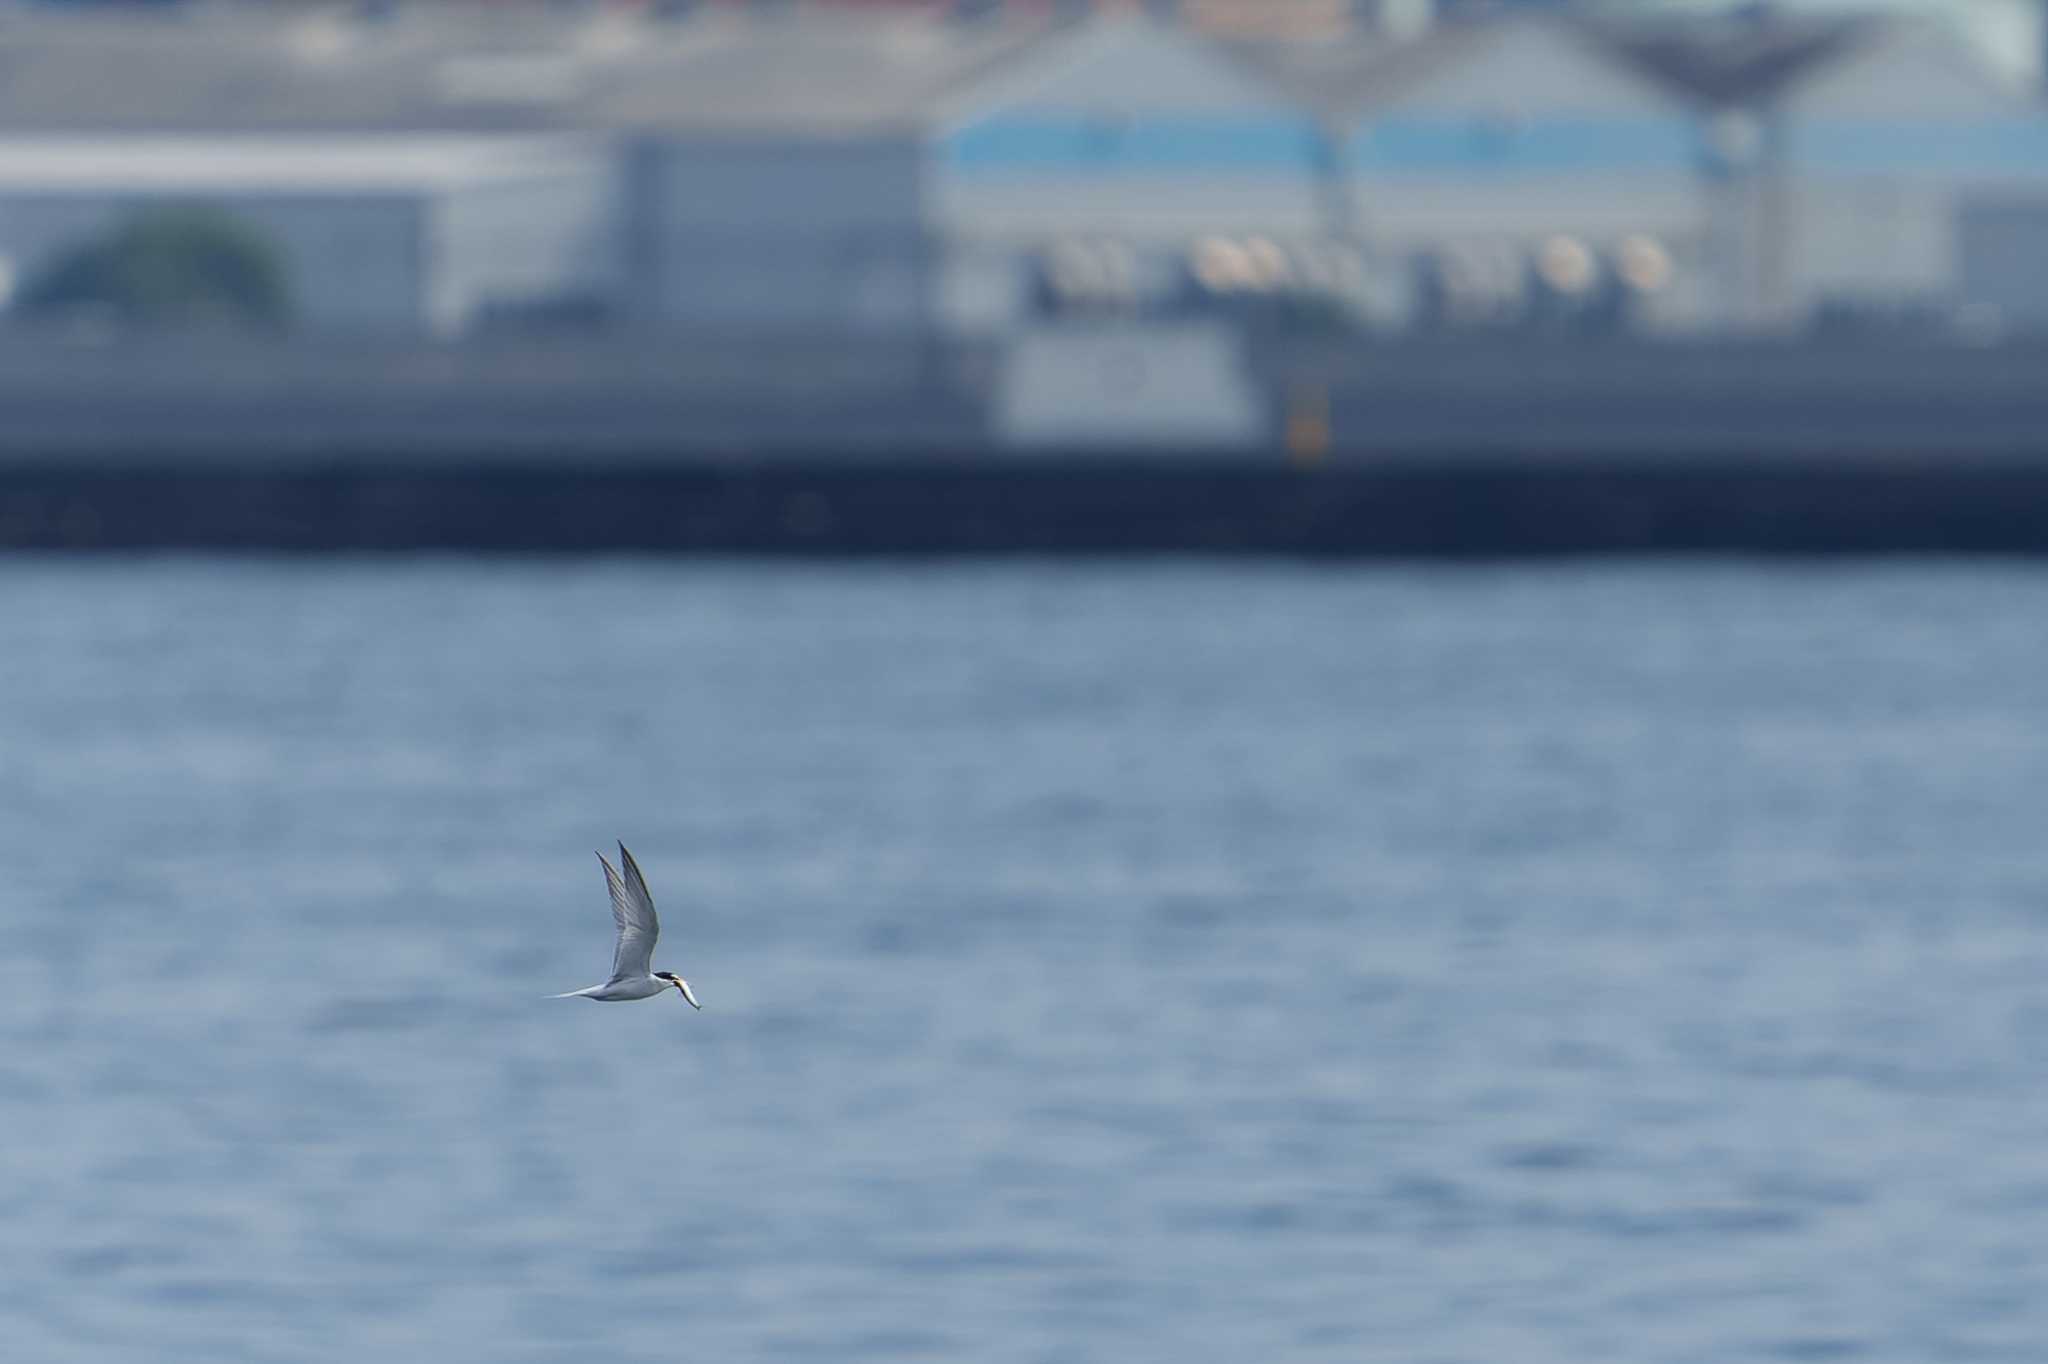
(1183, 386)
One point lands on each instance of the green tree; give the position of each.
(177, 266)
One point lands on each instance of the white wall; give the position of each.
(777, 232)
(2002, 240)
(1406, 216)
(1524, 67)
(1184, 386)
(1877, 240)
(1903, 70)
(547, 234)
(1879, 151)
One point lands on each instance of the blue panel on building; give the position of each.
(1082, 145)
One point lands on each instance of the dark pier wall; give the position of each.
(1075, 504)
(836, 445)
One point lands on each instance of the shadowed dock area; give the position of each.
(683, 445)
(937, 505)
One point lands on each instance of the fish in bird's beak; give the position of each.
(684, 986)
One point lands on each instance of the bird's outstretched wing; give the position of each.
(633, 914)
(635, 882)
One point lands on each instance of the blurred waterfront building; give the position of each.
(393, 235)
(1353, 167)
(774, 173)
(1115, 169)
(1532, 170)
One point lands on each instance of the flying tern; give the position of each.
(633, 913)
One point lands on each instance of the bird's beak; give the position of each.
(684, 986)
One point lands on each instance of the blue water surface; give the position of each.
(1176, 962)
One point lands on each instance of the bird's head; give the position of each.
(680, 984)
